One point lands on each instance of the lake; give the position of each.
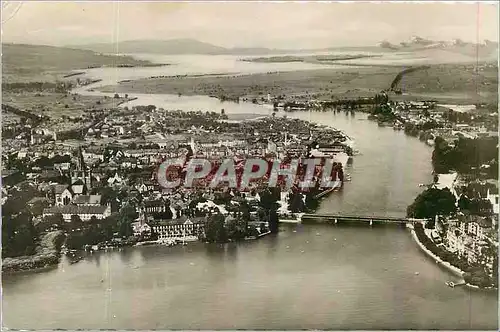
(306, 277)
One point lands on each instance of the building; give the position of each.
(154, 206)
(493, 198)
(141, 228)
(468, 237)
(85, 212)
(62, 194)
(475, 226)
(179, 229)
(87, 200)
(82, 172)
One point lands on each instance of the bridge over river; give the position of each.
(335, 218)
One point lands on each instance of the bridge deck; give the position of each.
(354, 217)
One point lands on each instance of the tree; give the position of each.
(295, 201)
(75, 222)
(55, 220)
(126, 216)
(236, 229)
(244, 210)
(432, 202)
(215, 230)
(93, 221)
(268, 201)
(18, 235)
(273, 221)
(463, 203)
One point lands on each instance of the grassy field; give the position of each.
(55, 105)
(38, 63)
(323, 83)
(453, 82)
(460, 83)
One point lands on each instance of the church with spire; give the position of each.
(82, 174)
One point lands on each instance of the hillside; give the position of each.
(47, 63)
(192, 46)
(174, 46)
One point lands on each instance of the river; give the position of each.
(307, 277)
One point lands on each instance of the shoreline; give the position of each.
(453, 269)
(46, 256)
(439, 261)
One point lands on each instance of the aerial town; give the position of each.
(296, 166)
(104, 193)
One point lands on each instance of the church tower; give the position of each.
(82, 172)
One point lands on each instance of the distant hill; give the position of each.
(174, 46)
(22, 62)
(192, 46)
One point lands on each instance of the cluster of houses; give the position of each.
(471, 236)
(74, 180)
(438, 116)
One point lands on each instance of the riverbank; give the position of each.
(419, 236)
(47, 254)
(455, 270)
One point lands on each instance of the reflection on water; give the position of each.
(309, 276)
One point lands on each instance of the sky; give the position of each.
(244, 24)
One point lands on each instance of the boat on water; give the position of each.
(453, 285)
(295, 218)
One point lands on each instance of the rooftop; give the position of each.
(74, 209)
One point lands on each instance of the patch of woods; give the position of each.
(58, 87)
(467, 156)
(47, 253)
(19, 236)
(95, 231)
(399, 76)
(35, 119)
(219, 229)
(432, 202)
(438, 202)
